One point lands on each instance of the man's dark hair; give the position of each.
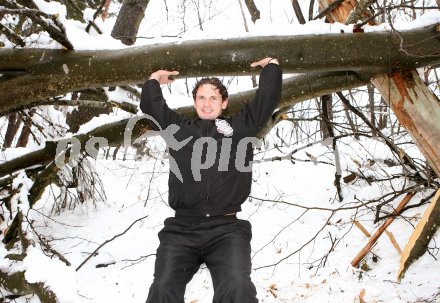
(214, 81)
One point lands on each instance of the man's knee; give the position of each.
(164, 283)
(166, 289)
(235, 287)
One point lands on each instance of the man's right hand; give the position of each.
(164, 76)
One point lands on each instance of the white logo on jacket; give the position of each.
(223, 127)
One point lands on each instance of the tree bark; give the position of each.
(253, 10)
(85, 113)
(26, 130)
(14, 123)
(327, 117)
(49, 73)
(417, 109)
(372, 107)
(128, 21)
(298, 12)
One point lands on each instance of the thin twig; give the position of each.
(107, 241)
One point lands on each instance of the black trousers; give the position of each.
(222, 243)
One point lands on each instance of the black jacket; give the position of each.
(222, 187)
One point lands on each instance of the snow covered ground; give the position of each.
(288, 246)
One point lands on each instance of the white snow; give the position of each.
(290, 240)
(60, 277)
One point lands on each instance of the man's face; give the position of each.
(208, 103)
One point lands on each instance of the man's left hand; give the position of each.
(265, 61)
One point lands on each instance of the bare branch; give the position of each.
(108, 241)
(57, 33)
(13, 37)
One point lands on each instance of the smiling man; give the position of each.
(214, 179)
(210, 98)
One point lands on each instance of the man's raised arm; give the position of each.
(153, 102)
(255, 113)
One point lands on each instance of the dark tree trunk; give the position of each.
(311, 6)
(372, 107)
(253, 10)
(298, 12)
(128, 21)
(26, 130)
(328, 132)
(383, 118)
(327, 117)
(14, 123)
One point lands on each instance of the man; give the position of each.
(211, 178)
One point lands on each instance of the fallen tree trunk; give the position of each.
(40, 73)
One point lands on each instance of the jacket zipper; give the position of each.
(207, 177)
